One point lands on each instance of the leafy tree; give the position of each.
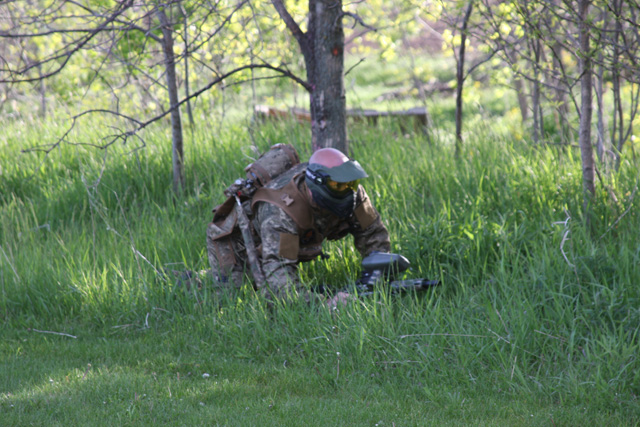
(560, 47)
(127, 41)
(322, 47)
(462, 28)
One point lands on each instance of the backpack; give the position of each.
(271, 164)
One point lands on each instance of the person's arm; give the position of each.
(369, 232)
(280, 244)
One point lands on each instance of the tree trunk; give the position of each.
(522, 99)
(601, 140)
(601, 143)
(460, 77)
(558, 80)
(172, 87)
(327, 99)
(617, 132)
(518, 84)
(615, 78)
(322, 47)
(43, 94)
(586, 109)
(535, 93)
(419, 86)
(562, 109)
(186, 66)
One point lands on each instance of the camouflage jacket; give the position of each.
(284, 242)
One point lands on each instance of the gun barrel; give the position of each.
(413, 284)
(398, 286)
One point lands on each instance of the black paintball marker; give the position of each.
(380, 269)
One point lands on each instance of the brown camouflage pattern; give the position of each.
(269, 221)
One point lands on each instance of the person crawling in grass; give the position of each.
(290, 215)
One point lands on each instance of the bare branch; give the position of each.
(140, 125)
(293, 27)
(54, 333)
(67, 54)
(357, 19)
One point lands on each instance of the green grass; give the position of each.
(536, 321)
(157, 375)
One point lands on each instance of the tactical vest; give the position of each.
(285, 193)
(307, 245)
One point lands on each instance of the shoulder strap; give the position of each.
(289, 199)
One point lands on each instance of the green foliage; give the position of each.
(535, 319)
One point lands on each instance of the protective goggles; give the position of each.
(337, 188)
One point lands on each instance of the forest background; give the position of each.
(513, 182)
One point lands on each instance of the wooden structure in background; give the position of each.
(417, 114)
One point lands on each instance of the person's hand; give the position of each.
(340, 299)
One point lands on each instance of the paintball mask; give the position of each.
(334, 189)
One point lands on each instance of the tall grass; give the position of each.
(532, 301)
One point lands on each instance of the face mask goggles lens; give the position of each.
(342, 188)
(339, 189)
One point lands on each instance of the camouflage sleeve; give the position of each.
(369, 232)
(281, 272)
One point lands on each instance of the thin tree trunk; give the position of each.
(558, 80)
(586, 109)
(172, 87)
(328, 100)
(460, 77)
(535, 94)
(419, 87)
(560, 95)
(186, 66)
(322, 47)
(617, 117)
(533, 46)
(519, 85)
(617, 139)
(601, 143)
(535, 101)
(43, 94)
(522, 98)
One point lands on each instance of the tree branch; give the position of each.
(69, 53)
(357, 19)
(140, 125)
(291, 24)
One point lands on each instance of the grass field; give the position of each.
(536, 321)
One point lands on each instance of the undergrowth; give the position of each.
(534, 300)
